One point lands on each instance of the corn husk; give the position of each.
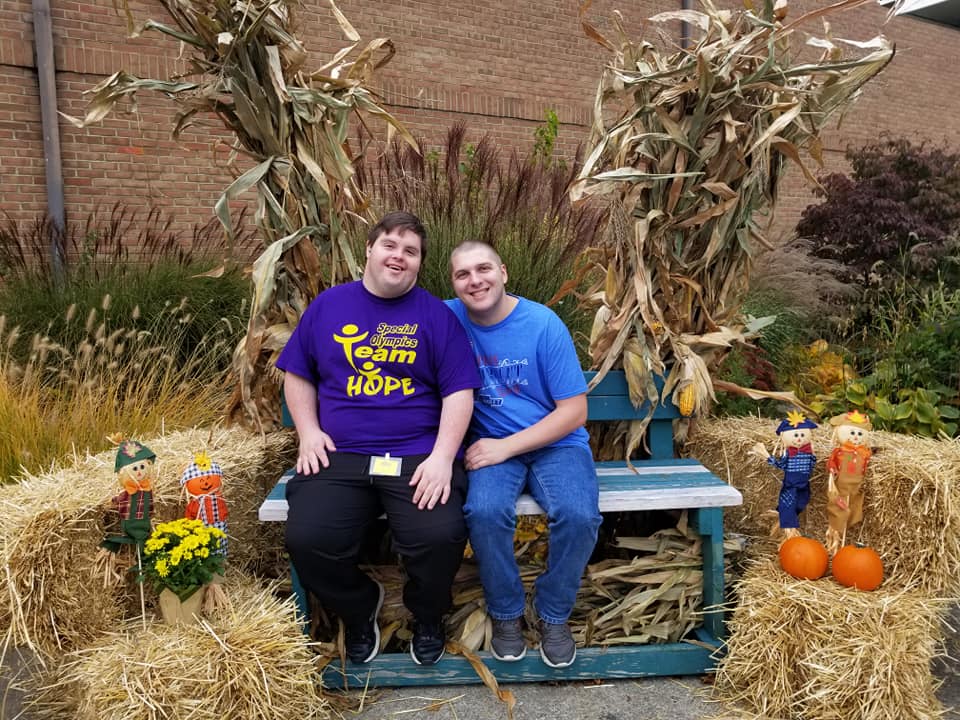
(688, 147)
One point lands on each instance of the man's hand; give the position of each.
(487, 451)
(432, 480)
(314, 446)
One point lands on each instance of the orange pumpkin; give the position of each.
(858, 567)
(804, 558)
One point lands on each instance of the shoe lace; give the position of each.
(508, 629)
(555, 633)
(360, 633)
(425, 630)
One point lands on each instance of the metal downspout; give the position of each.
(46, 76)
(685, 40)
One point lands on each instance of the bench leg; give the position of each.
(709, 523)
(300, 597)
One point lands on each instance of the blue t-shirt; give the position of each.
(381, 367)
(527, 362)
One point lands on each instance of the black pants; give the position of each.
(330, 513)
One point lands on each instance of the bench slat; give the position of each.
(397, 670)
(673, 485)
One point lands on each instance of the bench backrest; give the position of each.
(610, 401)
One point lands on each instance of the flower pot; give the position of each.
(176, 611)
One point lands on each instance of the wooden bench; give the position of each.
(661, 482)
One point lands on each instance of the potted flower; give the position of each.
(180, 558)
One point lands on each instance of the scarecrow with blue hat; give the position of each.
(797, 462)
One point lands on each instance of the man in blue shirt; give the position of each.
(526, 434)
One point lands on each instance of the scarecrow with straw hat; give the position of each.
(135, 470)
(846, 468)
(797, 462)
(134, 506)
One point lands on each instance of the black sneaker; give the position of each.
(426, 648)
(557, 647)
(508, 643)
(363, 640)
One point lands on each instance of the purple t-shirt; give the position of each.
(381, 367)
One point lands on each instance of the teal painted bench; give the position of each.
(660, 482)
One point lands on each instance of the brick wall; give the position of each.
(495, 65)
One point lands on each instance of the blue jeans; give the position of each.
(563, 481)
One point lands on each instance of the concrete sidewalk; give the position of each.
(643, 699)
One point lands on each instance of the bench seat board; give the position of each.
(657, 485)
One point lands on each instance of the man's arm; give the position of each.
(301, 397)
(569, 414)
(432, 476)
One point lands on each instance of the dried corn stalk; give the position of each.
(246, 68)
(687, 148)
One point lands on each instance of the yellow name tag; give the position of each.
(385, 465)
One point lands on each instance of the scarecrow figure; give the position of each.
(797, 462)
(203, 481)
(134, 506)
(846, 468)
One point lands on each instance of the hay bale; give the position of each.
(818, 651)
(911, 505)
(250, 660)
(51, 597)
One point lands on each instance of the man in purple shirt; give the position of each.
(379, 380)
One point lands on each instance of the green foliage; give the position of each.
(792, 325)
(747, 367)
(467, 192)
(917, 411)
(910, 336)
(545, 137)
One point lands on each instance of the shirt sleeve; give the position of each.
(297, 356)
(455, 365)
(558, 356)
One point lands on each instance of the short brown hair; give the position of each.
(400, 220)
(473, 245)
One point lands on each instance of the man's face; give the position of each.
(478, 280)
(393, 261)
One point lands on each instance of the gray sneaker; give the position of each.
(508, 643)
(557, 647)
